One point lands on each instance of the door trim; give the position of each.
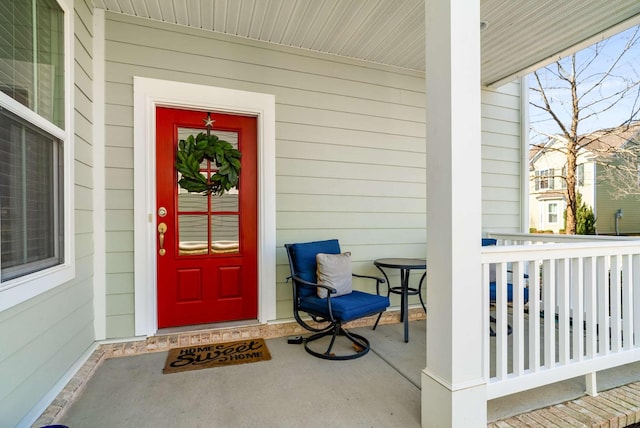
(150, 93)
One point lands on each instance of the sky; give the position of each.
(604, 114)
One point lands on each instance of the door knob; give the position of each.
(162, 228)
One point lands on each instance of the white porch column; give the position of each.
(453, 389)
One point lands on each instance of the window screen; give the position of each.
(30, 198)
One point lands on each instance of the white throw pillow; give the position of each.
(334, 270)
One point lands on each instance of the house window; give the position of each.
(580, 175)
(30, 198)
(32, 56)
(552, 212)
(544, 179)
(33, 140)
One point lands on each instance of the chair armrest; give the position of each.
(301, 281)
(378, 280)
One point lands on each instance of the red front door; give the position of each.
(206, 246)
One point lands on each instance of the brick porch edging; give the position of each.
(615, 408)
(164, 342)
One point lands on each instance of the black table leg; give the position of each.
(404, 276)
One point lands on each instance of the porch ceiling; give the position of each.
(520, 33)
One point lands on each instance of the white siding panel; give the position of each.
(119, 220)
(118, 178)
(349, 120)
(357, 156)
(119, 157)
(119, 241)
(346, 169)
(119, 136)
(83, 151)
(335, 186)
(493, 179)
(318, 134)
(499, 194)
(354, 238)
(119, 199)
(499, 126)
(120, 283)
(502, 167)
(501, 159)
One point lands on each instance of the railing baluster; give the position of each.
(577, 307)
(615, 297)
(518, 317)
(564, 339)
(602, 285)
(548, 296)
(485, 319)
(627, 302)
(534, 316)
(635, 278)
(501, 321)
(591, 306)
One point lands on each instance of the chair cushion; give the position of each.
(345, 308)
(304, 260)
(492, 293)
(489, 241)
(334, 270)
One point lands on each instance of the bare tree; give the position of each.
(580, 91)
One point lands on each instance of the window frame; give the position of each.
(545, 176)
(21, 289)
(580, 175)
(549, 213)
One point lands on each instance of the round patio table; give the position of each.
(405, 266)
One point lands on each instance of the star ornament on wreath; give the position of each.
(193, 150)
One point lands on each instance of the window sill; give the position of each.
(19, 290)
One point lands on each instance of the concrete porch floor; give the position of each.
(381, 389)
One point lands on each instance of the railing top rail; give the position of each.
(514, 253)
(546, 237)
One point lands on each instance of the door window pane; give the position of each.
(227, 203)
(192, 235)
(225, 233)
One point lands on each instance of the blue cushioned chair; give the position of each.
(492, 290)
(329, 313)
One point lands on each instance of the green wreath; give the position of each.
(191, 153)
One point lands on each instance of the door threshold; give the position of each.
(211, 326)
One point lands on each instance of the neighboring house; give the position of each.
(330, 112)
(547, 197)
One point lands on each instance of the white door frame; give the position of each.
(149, 93)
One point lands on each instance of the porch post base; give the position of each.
(442, 407)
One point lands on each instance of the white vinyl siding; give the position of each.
(501, 159)
(350, 151)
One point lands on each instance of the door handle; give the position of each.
(162, 228)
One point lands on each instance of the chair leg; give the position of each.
(361, 344)
(377, 320)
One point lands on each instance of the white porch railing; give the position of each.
(582, 316)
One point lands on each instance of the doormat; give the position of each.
(215, 355)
